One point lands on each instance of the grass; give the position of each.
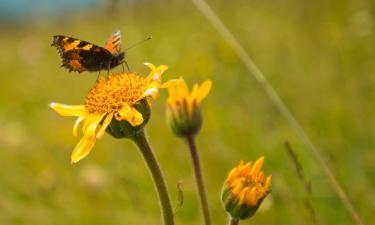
(319, 56)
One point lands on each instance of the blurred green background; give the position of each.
(318, 55)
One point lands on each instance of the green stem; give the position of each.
(199, 179)
(232, 221)
(157, 175)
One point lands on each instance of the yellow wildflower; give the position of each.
(183, 109)
(245, 189)
(119, 98)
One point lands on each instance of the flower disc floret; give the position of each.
(112, 93)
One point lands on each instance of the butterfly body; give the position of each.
(80, 56)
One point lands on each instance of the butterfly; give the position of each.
(80, 56)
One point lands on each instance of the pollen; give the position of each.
(110, 94)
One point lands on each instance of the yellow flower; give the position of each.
(115, 99)
(245, 189)
(183, 109)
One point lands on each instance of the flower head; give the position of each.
(245, 189)
(119, 99)
(183, 109)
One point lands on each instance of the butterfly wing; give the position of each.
(113, 44)
(80, 55)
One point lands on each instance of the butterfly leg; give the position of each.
(127, 66)
(108, 69)
(97, 78)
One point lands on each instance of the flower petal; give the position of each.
(83, 148)
(131, 115)
(204, 90)
(91, 123)
(156, 72)
(136, 117)
(177, 88)
(76, 124)
(103, 127)
(68, 110)
(171, 82)
(124, 111)
(152, 91)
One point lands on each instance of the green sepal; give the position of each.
(233, 208)
(183, 122)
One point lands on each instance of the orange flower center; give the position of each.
(112, 93)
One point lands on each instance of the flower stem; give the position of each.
(232, 221)
(199, 178)
(157, 175)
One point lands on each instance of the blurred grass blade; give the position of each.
(206, 10)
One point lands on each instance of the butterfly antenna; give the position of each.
(138, 43)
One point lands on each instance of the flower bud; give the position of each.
(183, 109)
(245, 189)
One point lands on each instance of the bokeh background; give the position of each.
(319, 56)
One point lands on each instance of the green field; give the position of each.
(318, 55)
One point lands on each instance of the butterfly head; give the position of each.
(118, 59)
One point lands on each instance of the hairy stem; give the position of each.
(232, 221)
(157, 175)
(199, 179)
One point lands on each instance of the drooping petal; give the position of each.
(124, 111)
(136, 117)
(106, 122)
(131, 115)
(83, 148)
(92, 121)
(68, 110)
(76, 124)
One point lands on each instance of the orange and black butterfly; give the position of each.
(83, 56)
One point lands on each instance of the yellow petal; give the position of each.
(194, 92)
(252, 198)
(177, 89)
(156, 72)
(151, 91)
(104, 125)
(76, 124)
(171, 83)
(83, 148)
(257, 167)
(204, 90)
(124, 111)
(68, 110)
(131, 115)
(151, 67)
(242, 195)
(268, 183)
(92, 121)
(136, 118)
